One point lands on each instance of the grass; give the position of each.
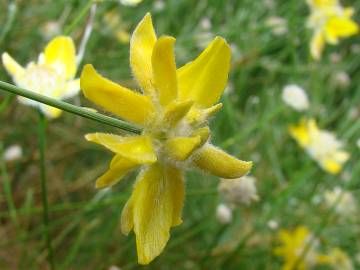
(84, 222)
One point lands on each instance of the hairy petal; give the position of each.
(219, 163)
(117, 99)
(204, 79)
(141, 48)
(155, 209)
(164, 70)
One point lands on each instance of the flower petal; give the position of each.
(115, 173)
(119, 100)
(219, 163)
(154, 206)
(164, 70)
(141, 47)
(50, 112)
(340, 27)
(11, 66)
(180, 148)
(317, 45)
(127, 217)
(204, 134)
(178, 193)
(204, 79)
(175, 111)
(60, 54)
(138, 149)
(71, 89)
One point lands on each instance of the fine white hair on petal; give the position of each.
(295, 97)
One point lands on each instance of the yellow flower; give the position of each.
(321, 145)
(338, 259)
(52, 75)
(173, 110)
(330, 22)
(292, 249)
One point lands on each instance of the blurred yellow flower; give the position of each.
(115, 25)
(338, 259)
(321, 145)
(292, 248)
(330, 22)
(173, 111)
(52, 75)
(346, 205)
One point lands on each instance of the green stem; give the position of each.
(79, 17)
(42, 143)
(7, 188)
(83, 112)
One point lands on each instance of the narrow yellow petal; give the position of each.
(127, 217)
(204, 134)
(115, 173)
(219, 163)
(138, 149)
(301, 132)
(180, 148)
(11, 66)
(331, 166)
(204, 79)
(175, 111)
(213, 110)
(141, 48)
(317, 45)
(60, 53)
(164, 70)
(153, 211)
(177, 190)
(119, 100)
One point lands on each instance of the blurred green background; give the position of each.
(253, 125)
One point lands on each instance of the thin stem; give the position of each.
(10, 20)
(86, 35)
(42, 143)
(7, 188)
(77, 20)
(83, 112)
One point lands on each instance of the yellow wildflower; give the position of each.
(321, 145)
(292, 249)
(338, 259)
(330, 22)
(173, 111)
(52, 75)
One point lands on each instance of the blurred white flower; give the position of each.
(277, 25)
(295, 97)
(130, 2)
(114, 267)
(50, 29)
(342, 79)
(205, 23)
(159, 5)
(13, 152)
(335, 57)
(346, 206)
(273, 224)
(223, 214)
(239, 191)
